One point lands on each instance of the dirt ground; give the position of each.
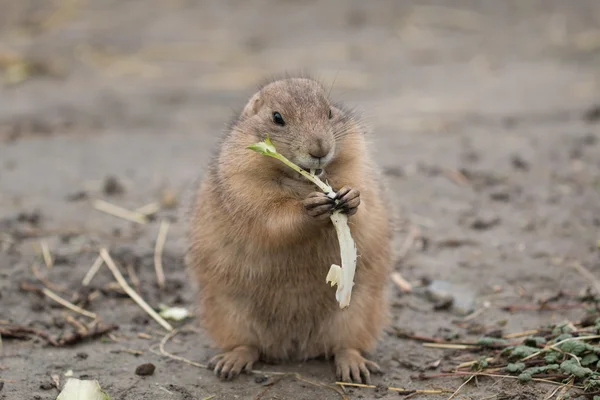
(486, 119)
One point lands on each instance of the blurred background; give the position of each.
(485, 117)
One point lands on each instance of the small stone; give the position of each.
(47, 386)
(448, 296)
(77, 196)
(592, 114)
(112, 186)
(145, 369)
(519, 162)
(82, 356)
(485, 222)
(500, 196)
(260, 379)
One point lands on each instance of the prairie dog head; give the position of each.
(299, 119)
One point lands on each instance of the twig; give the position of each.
(269, 386)
(457, 177)
(53, 296)
(164, 341)
(542, 307)
(81, 329)
(18, 332)
(476, 313)
(117, 274)
(148, 209)
(77, 337)
(587, 274)
(400, 282)
(460, 373)
(160, 243)
(453, 395)
(92, 271)
(130, 351)
(36, 272)
(119, 212)
(50, 294)
(449, 346)
(521, 334)
(46, 254)
(396, 389)
(470, 363)
(133, 276)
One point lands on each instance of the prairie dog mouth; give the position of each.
(317, 171)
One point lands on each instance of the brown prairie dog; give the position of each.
(261, 242)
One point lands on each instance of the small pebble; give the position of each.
(592, 114)
(145, 369)
(76, 196)
(82, 356)
(260, 379)
(519, 163)
(47, 386)
(112, 186)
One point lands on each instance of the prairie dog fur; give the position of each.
(261, 242)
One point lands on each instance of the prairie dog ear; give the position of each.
(253, 106)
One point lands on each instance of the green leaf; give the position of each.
(571, 367)
(553, 356)
(589, 359)
(528, 373)
(490, 341)
(562, 337)
(522, 352)
(576, 347)
(563, 328)
(515, 367)
(266, 147)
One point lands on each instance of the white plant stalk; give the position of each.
(76, 389)
(342, 276)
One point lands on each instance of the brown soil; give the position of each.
(486, 119)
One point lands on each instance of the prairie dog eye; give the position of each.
(278, 119)
(330, 114)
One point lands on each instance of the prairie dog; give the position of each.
(261, 242)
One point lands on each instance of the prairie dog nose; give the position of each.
(319, 148)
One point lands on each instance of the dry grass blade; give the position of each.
(396, 389)
(471, 363)
(158, 250)
(148, 209)
(521, 334)
(136, 297)
(50, 294)
(453, 395)
(92, 271)
(119, 212)
(165, 353)
(400, 282)
(36, 272)
(46, 254)
(448, 346)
